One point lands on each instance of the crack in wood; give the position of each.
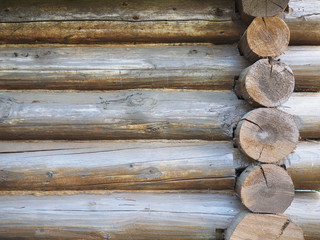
(264, 176)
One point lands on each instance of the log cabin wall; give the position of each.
(118, 118)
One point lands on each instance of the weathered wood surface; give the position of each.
(267, 135)
(42, 115)
(126, 67)
(135, 165)
(141, 21)
(119, 21)
(247, 225)
(267, 188)
(266, 83)
(131, 165)
(264, 38)
(306, 110)
(119, 115)
(303, 19)
(136, 215)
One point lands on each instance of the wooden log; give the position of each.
(261, 8)
(120, 115)
(265, 189)
(99, 165)
(135, 115)
(104, 68)
(304, 166)
(150, 215)
(119, 21)
(115, 165)
(302, 18)
(248, 225)
(142, 21)
(265, 37)
(266, 83)
(267, 135)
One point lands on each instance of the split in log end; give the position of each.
(266, 83)
(265, 37)
(265, 189)
(267, 135)
(252, 226)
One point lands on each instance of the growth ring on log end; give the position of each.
(252, 226)
(265, 189)
(266, 83)
(265, 37)
(262, 8)
(267, 135)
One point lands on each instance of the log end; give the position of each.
(265, 189)
(266, 83)
(263, 227)
(265, 37)
(262, 8)
(267, 135)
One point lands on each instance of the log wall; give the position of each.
(138, 215)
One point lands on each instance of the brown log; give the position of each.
(138, 165)
(113, 67)
(266, 83)
(261, 8)
(114, 165)
(265, 37)
(252, 226)
(267, 135)
(265, 189)
(140, 215)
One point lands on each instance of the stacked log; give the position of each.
(121, 140)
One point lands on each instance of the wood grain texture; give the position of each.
(303, 19)
(136, 215)
(114, 67)
(265, 37)
(137, 114)
(119, 115)
(265, 83)
(80, 165)
(267, 188)
(119, 21)
(116, 165)
(141, 21)
(247, 225)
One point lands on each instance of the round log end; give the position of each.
(265, 37)
(267, 135)
(263, 227)
(263, 8)
(265, 189)
(266, 83)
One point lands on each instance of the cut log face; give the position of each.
(263, 227)
(267, 135)
(263, 8)
(265, 37)
(266, 83)
(265, 189)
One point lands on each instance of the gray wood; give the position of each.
(137, 114)
(136, 215)
(115, 165)
(119, 115)
(84, 165)
(113, 67)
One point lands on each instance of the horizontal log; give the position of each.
(42, 115)
(136, 215)
(141, 21)
(116, 165)
(113, 67)
(137, 165)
